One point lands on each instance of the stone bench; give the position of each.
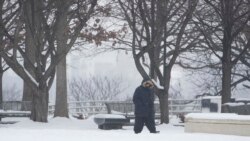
(220, 123)
(4, 114)
(110, 121)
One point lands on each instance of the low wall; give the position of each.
(229, 124)
(238, 108)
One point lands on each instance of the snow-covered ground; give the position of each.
(61, 129)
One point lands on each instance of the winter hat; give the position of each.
(144, 81)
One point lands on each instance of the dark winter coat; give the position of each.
(144, 102)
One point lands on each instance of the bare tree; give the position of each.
(96, 88)
(204, 63)
(30, 52)
(222, 24)
(91, 33)
(43, 20)
(159, 30)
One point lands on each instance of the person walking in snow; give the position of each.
(143, 100)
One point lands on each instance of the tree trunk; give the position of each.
(1, 48)
(226, 82)
(1, 86)
(61, 107)
(39, 110)
(163, 98)
(227, 50)
(30, 49)
(27, 92)
(27, 97)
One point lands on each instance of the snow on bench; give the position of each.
(110, 121)
(218, 123)
(4, 114)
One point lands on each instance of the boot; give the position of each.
(155, 132)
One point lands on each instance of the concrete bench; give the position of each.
(110, 121)
(219, 123)
(4, 114)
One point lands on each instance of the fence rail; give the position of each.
(16, 105)
(176, 106)
(87, 108)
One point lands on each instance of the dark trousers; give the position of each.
(148, 121)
